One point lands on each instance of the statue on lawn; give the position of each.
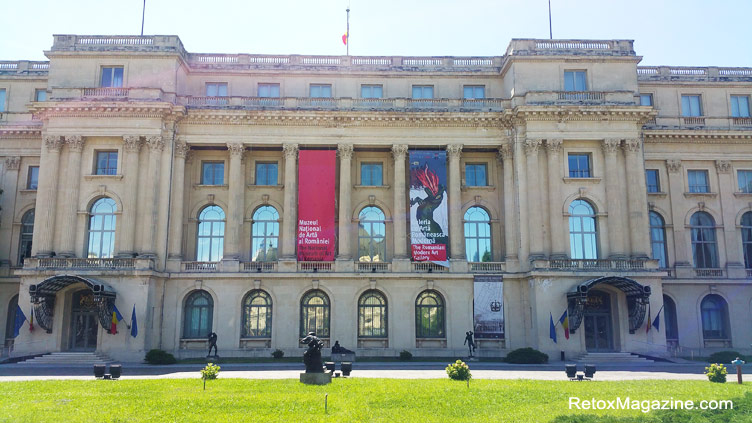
(469, 341)
(312, 356)
(212, 344)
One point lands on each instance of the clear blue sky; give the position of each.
(666, 32)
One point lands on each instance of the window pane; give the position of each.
(580, 83)
(745, 180)
(33, 180)
(646, 99)
(652, 180)
(40, 95)
(117, 78)
(568, 81)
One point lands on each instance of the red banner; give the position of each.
(316, 177)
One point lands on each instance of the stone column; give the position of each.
(345, 152)
(235, 202)
(456, 234)
(555, 222)
(533, 210)
(734, 259)
(289, 224)
(682, 246)
(639, 236)
(175, 249)
(131, 148)
(150, 213)
(10, 187)
(506, 154)
(69, 215)
(399, 219)
(521, 190)
(614, 201)
(44, 217)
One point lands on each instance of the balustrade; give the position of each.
(363, 267)
(315, 266)
(88, 263)
(260, 266)
(427, 266)
(199, 266)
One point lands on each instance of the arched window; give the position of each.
(265, 234)
(257, 315)
(583, 231)
(102, 221)
(477, 235)
(714, 317)
(27, 233)
(10, 323)
(658, 239)
(371, 235)
(747, 239)
(429, 315)
(211, 234)
(197, 315)
(669, 316)
(372, 315)
(314, 314)
(704, 247)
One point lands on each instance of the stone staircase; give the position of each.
(69, 358)
(612, 357)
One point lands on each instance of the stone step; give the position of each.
(612, 357)
(63, 358)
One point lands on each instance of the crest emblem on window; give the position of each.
(495, 306)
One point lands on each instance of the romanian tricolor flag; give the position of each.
(116, 317)
(344, 38)
(564, 320)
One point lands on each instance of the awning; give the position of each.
(44, 293)
(638, 297)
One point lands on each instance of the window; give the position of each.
(265, 234)
(653, 180)
(646, 99)
(2, 100)
(198, 315)
(32, 180)
(579, 166)
(372, 315)
(583, 231)
(266, 173)
(40, 95)
(314, 314)
(10, 322)
(371, 235)
(744, 178)
(27, 233)
(747, 239)
(112, 77)
(475, 175)
(257, 315)
(740, 106)
(212, 173)
(211, 234)
(429, 315)
(658, 239)
(575, 81)
(106, 163)
(371, 174)
(422, 91)
(470, 92)
(102, 220)
(715, 321)
(704, 248)
(691, 105)
(371, 91)
(268, 90)
(321, 90)
(672, 329)
(698, 181)
(216, 89)
(477, 235)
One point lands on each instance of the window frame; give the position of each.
(473, 93)
(658, 245)
(368, 310)
(26, 237)
(422, 88)
(187, 332)
(688, 112)
(112, 77)
(738, 112)
(695, 188)
(104, 170)
(29, 179)
(468, 165)
(203, 172)
(657, 184)
(305, 308)
(38, 91)
(579, 173)
(217, 86)
(744, 189)
(94, 251)
(263, 164)
(590, 237)
(269, 85)
(215, 240)
(745, 225)
(477, 239)
(263, 224)
(719, 318)
(365, 173)
(320, 86)
(371, 87)
(650, 97)
(248, 316)
(3, 99)
(575, 73)
(372, 241)
(703, 244)
(427, 331)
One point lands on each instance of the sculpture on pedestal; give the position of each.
(312, 356)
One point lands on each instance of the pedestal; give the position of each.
(316, 378)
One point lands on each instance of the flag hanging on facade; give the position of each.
(657, 321)
(344, 38)
(552, 328)
(564, 320)
(134, 324)
(647, 329)
(116, 317)
(31, 321)
(20, 319)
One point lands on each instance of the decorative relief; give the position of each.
(12, 163)
(554, 145)
(53, 142)
(290, 150)
(235, 148)
(532, 146)
(611, 145)
(132, 143)
(632, 145)
(345, 151)
(506, 152)
(399, 151)
(723, 166)
(454, 150)
(181, 149)
(673, 165)
(75, 143)
(155, 143)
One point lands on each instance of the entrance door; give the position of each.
(84, 325)
(597, 316)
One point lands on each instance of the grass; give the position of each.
(354, 400)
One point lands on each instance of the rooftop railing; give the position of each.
(533, 47)
(22, 67)
(692, 73)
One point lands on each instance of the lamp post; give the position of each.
(738, 363)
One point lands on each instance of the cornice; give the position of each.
(25, 131)
(105, 109)
(698, 137)
(582, 113)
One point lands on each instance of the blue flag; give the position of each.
(117, 313)
(657, 321)
(552, 330)
(20, 319)
(134, 324)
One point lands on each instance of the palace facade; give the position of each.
(178, 187)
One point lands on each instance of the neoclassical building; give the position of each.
(389, 203)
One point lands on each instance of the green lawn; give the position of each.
(354, 400)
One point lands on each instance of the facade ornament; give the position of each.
(673, 165)
(236, 148)
(345, 151)
(506, 152)
(454, 150)
(53, 143)
(181, 149)
(132, 143)
(155, 143)
(399, 151)
(531, 146)
(723, 166)
(12, 163)
(290, 150)
(75, 143)
(701, 205)
(632, 145)
(611, 145)
(554, 145)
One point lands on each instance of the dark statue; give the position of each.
(338, 349)
(212, 344)
(469, 341)
(312, 356)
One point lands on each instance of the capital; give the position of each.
(506, 152)
(531, 146)
(290, 150)
(611, 145)
(181, 149)
(673, 165)
(53, 143)
(632, 145)
(236, 148)
(345, 151)
(454, 150)
(155, 143)
(75, 143)
(554, 145)
(12, 163)
(132, 143)
(723, 166)
(399, 151)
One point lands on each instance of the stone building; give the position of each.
(166, 184)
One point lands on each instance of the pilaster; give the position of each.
(637, 199)
(289, 236)
(345, 152)
(235, 202)
(175, 250)
(456, 238)
(131, 149)
(399, 219)
(69, 215)
(615, 219)
(556, 222)
(10, 187)
(535, 217)
(150, 213)
(45, 213)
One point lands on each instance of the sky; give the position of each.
(666, 32)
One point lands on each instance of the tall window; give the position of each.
(704, 248)
(32, 181)
(211, 234)
(106, 163)
(212, 173)
(198, 315)
(658, 239)
(477, 235)
(476, 175)
(102, 221)
(583, 231)
(691, 105)
(265, 234)
(268, 90)
(372, 315)
(257, 315)
(371, 235)
(2, 99)
(371, 91)
(744, 178)
(473, 92)
(422, 91)
(575, 81)
(669, 316)
(714, 317)
(27, 233)
(698, 181)
(747, 239)
(371, 174)
(740, 106)
(429, 315)
(314, 314)
(646, 99)
(266, 173)
(579, 165)
(10, 322)
(653, 180)
(112, 77)
(321, 90)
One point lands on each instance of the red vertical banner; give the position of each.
(316, 194)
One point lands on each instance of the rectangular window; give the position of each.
(470, 92)
(40, 95)
(475, 175)
(691, 105)
(112, 77)
(106, 163)
(371, 91)
(745, 181)
(698, 181)
(575, 81)
(32, 181)
(653, 180)
(646, 99)
(371, 174)
(2, 100)
(212, 173)
(321, 91)
(422, 91)
(579, 166)
(266, 173)
(268, 90)
(740, 106)
(216, 89)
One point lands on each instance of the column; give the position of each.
(613, 201)
(399, 219)
(44, 217)
(506, 154)
(235, 202)
(734, 259)
(10, 187)
(520, 193)
(289, 237)
(456, 234)
(149, 218)
(175, 249)
(639, 224)
(676, 195)
(131, 148)
(69, 214)
(345, 152)
(535, 218)
(555, 223)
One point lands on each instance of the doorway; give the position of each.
(597, 320)
(84, 326)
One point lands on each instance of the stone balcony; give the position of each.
(111, 94)
(586, 98)
(55, 263)
(338, 266)
(700, 123)
(611, 265)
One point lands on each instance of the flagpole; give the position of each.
(143, 13)
(348, 30)
(550, 31)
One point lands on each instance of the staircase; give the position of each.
(69, 358)
(612, 357)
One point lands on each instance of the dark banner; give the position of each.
(429, 221)
(488, 307)
(316, 175)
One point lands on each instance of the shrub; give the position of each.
(716, 373)
(278, 353)
(405, 355)
(724, 357)
(159, 357)
(526, 356)
(458, 371)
